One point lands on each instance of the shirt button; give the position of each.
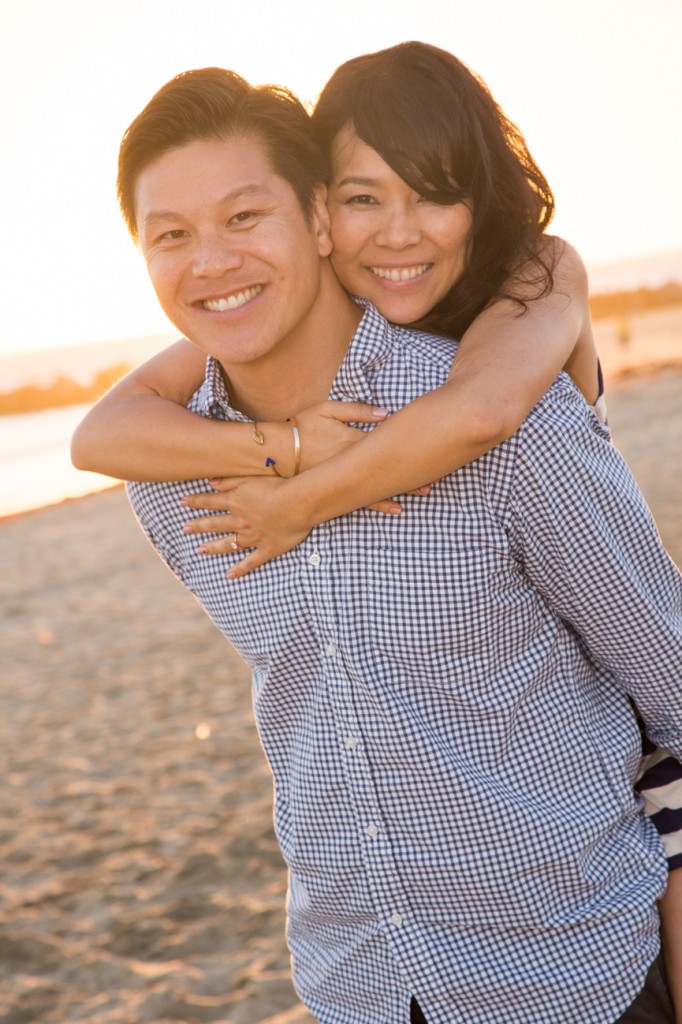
(351, 742)
(372, 831)
(331, 650)
(396, 918)
(314, 559)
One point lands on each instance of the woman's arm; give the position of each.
(504, 364)
(140, 429)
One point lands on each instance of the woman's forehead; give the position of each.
(355, 161)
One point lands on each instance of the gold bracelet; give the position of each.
(297, 445)
(270, 463)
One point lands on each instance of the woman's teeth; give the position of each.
(406, 274)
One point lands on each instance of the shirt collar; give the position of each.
(370, 347)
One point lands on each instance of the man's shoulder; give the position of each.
(385, 342)
(563, 407)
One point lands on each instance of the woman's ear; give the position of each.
(320, 220)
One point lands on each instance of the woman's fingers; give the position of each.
(223, 545)
(212, 524)
(354, 412)
(252, 561)
(392, 507)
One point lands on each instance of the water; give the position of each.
(35, 466)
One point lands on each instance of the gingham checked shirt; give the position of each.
(442, 699)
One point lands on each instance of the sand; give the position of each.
(140, 876)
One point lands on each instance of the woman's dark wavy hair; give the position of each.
(437, 126)
(212, 103)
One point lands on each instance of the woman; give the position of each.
(421, 157)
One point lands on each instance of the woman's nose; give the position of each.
(399, 229)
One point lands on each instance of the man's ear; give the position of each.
(320, 220)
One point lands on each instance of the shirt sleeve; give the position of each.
(588, 543)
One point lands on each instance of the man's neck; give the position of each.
(300, 371)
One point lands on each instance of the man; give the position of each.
(444, 696)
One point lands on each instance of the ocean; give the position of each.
(35, 464)
(35, 467)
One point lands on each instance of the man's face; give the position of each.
(233, 260)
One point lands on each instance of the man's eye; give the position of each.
(172, 235)
(242, 217)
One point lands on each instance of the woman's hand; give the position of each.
(324, 431)
(258, 513)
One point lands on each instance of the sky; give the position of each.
(595, 86)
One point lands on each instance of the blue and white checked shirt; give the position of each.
(442, 697)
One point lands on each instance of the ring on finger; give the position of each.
(235, 542)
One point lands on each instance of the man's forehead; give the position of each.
(222, 170)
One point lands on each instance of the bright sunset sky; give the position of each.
(595, 85)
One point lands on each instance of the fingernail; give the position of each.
(231, 575)
(379, 413)
(202, 550)
(395, 510)
(184, 501)
(187, 528)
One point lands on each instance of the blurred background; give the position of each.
(595, 86)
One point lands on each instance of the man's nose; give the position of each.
(214, 256)
(399, 228)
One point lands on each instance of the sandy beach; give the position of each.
(140, 876)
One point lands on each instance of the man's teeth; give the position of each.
(232, 301)
(406, 274)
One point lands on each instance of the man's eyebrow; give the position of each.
(258, 191)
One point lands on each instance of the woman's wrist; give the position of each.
(277, 448)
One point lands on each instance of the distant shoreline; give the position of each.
(63, 390)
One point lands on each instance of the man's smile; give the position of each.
(233, 301)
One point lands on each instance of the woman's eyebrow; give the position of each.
(353, 179)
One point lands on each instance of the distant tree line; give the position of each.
(61, 391)
(641, 300)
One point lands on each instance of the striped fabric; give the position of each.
(443, 699)
(660, 785)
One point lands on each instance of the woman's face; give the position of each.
(391, 245)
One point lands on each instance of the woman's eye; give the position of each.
(360, 200)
